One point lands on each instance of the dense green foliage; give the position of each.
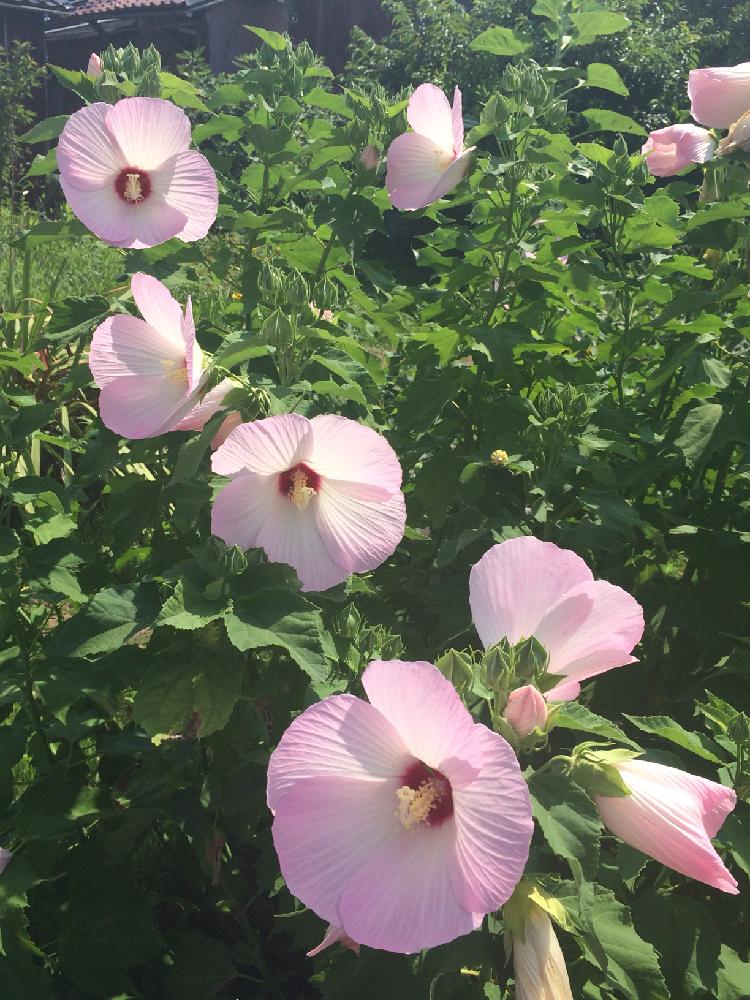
(431, 40)
(559, 306)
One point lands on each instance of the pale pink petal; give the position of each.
(340, 736)
(140, 407)
(719, 95)
(538, 961)
(243, 507)
(416, 165)
(426, 711)
(187, 183)
(593, 628)
(94, 67)
(359, 535)
(292, 536)
(151, 222)
(457, 123)
(452, 176)
(102, 211)
(193, 353)
(493, 828)
(267, 446)
(148, 130)
(158, 307)
(341, 823)
(124, 345)
(86, 154)
(344, 449)
(334, 935)
(430, 115)
(525, 710)
(228, 424)
(211, 403)
(564, 691)
(671, 816)
(671, 149)
(402, 899)
(515, 584)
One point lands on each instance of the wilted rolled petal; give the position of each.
(525, 587)
(538, 961)
(671, 149)
(334, 935)
(210, 404)
(322, 495)
(400, 820)
(671, 815)
(738, 137)
(719, 95)
(128, 175)
(151, 370)
(525, 710)
(425, 164)
(5, 859)
(228, 424)
(94, 67)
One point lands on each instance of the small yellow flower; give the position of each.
(236, 296)
(499, 457)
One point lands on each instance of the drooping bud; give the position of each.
(525, 710)
(369, 157)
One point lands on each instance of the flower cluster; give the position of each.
(720, 99)
(400, 820)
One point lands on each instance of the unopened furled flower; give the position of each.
(151, 370)
(671, 815)
(400, 820)
(719, 95)
(738, 137)
(525, 710)
(334, 935)
(322, 495)
(427, 163)
(671, 149)
(128, 174)
(94, 67)
(525, 587)
(369, 157)
(538, 961)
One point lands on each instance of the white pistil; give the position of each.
(133, 191)
(415, 804)
(299, 492)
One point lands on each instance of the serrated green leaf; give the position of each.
(668, 729)
(605, 77)
(500, 42)
(568, 818)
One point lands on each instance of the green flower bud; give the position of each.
(457, 667)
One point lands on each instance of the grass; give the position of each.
(89, 267)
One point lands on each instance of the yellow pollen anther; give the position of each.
(414, 804)
(175, 371)
(133, 190)
(299, 492)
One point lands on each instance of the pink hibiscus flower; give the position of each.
(719, 95)
(524, 587)
(669, 150)
(151, 370)
(427, 163)
(322, 495)
(128, 175)
(672, 816)
(400, 821)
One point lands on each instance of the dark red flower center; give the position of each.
(133, 185)
(425, 796)
(299, 485)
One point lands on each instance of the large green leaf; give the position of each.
(568, 818)
(276, 617)
(108, 620)
(668, 729)
(696, 439)
(500, 42)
